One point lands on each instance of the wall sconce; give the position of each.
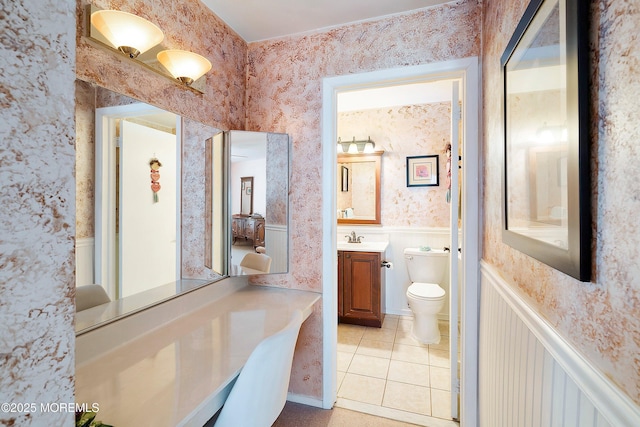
(356, 147)
(130, 34)
(184, 66)
(141, 41)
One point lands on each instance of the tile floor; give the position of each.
(385, 372)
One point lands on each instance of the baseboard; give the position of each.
(304, 400)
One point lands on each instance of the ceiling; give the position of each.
(256, 20)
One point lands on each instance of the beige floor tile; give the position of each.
(362, 389)
(369, 366)
(405, 324)
(348, 343)
(340, 378)
(410, 353)
(440, 404)
(344, 360)
(439, 358)
(405, 337)
(375, 348)
(345, 329)
(390, 322)
(440, 378)
(410, 373)
(442, 345)
(407, 397)
(379, 334)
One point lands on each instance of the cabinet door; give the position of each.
(361, 292)
(249, 229)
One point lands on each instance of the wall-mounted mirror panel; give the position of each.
(142, 175)
(358, 192)
(259, 193)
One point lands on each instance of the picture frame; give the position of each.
(345, 179)
(423, 171)
(545, 178)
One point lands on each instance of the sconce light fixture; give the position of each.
(133, 36)
(184, 66)
(356, 147)
(130, 34)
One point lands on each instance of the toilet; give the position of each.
(426, 298)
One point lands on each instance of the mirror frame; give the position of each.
(375, 157)
(575, 259)
(243, 191)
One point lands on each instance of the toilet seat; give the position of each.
(426, 291)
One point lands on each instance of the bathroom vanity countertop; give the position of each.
(363, 247)
(180, 373)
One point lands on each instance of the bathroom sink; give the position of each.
(363, 247)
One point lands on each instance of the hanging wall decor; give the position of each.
(155, 165)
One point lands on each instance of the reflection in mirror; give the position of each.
(259, 178)
(359, 188)
(246, 195)
(140, 174)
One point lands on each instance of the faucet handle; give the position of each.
(359, 240)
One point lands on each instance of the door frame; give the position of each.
(106, 256)
(467, 70)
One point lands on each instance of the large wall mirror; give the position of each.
(153, 204)
(358, 190)
(259, 178)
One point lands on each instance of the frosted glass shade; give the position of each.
(184, 66)
(127, 32)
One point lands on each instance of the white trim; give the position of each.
(304, 400)
(465, 69)
(615, 406)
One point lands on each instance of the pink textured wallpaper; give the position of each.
(37, 211)
(284, 95)
(410, 130)
(602, 318)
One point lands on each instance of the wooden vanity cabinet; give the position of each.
(360, 284)
(248, 228)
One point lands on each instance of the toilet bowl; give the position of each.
(425, 296)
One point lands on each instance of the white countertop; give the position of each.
(180, 373)
(363, 247)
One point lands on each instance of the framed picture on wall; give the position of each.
(423, 171)
(345, 179)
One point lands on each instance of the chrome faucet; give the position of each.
(353, 239)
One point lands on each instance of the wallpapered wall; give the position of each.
(401, 131)
(37, 209)
(284, 95)
(602, 318)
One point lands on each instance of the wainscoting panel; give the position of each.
(84, 261)
(276, 245)
(531, 377)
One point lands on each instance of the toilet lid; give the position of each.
(426, 291)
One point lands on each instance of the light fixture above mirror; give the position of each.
(356, 147)
(141, 41)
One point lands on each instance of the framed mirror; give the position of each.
(546, 181)
(259, 208)
(358, 193)
(140, 177)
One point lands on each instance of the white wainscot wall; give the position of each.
(397, 278)
(531, 377)
(85, 261)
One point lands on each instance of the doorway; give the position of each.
(137, 199)
(465, 71)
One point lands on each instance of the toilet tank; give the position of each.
(426, 266)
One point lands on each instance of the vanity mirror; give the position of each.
(140, 174)
(155, 193)
(358, 192)
(259, 177)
